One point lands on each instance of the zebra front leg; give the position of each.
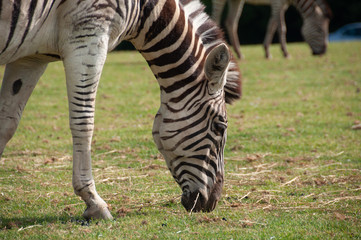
(282, 30)
(19, 81)
(217, 10)
(83, 67)
(235, 8)
(271, 29)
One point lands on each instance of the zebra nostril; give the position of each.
(186, 195)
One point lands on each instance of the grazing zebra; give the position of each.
(184, 49)
(316, 16)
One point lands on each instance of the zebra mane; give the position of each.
(325, 7)
(211, 36)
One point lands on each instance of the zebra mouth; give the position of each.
(192, 201)
(319, 52)
(196, 202)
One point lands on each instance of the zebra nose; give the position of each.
(195, 202)
(320, 52)
(192, 201)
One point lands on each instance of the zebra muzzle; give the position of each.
(320, 51)
(192, 201)
(196, 202)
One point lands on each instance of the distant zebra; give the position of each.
(184, 49)
(316, 16)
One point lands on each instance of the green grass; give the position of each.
(293, 161)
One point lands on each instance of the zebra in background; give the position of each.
(184, 49)
(316, 16)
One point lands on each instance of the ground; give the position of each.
(293, 162)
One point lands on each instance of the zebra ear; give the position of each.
(216, 66)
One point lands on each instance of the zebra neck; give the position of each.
(175, 53)
(305, 7)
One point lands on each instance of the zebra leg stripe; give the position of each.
(19, 81)
(83, 67)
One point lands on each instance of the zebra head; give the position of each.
(315, 27)
(197, 76)
(192, 136)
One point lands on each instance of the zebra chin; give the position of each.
(318, 53)
(196, 201)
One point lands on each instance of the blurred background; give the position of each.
(344, 12)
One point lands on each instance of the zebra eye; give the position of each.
(219, 128)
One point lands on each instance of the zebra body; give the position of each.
(44, 27)
(315, 13)
(183, 48)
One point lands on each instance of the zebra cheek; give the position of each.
(156, 132)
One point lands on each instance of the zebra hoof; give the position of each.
(97, 212)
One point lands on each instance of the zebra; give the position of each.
(316, 16)
(186, 52)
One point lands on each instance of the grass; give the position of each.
(293, 161)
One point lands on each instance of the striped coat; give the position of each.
(184, 49)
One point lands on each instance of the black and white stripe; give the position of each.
(176, 51)
(184, 49)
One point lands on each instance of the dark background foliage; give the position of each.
(254, 19)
